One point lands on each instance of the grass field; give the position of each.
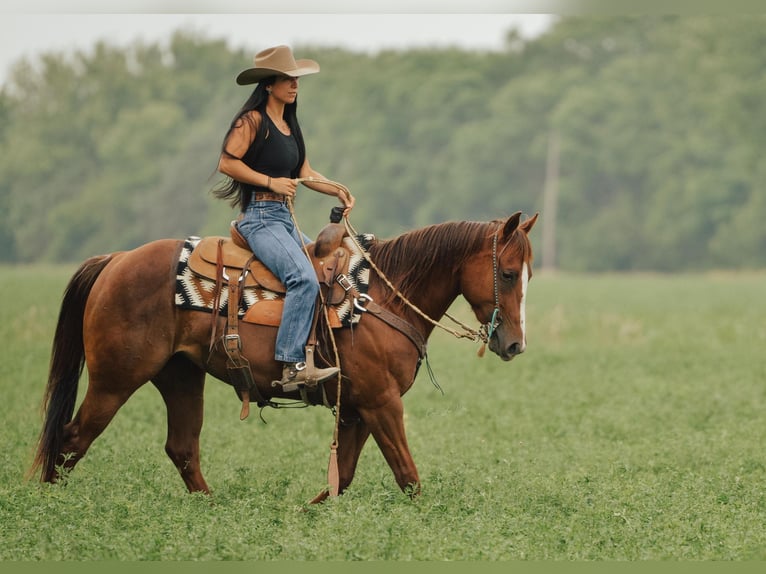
(632, 429)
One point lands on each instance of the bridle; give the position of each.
(487, 329)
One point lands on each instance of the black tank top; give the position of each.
(278, 155)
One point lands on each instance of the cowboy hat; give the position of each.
(274, 62)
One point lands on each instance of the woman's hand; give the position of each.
(347, 200)
(284, 186)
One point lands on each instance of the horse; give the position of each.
(119, 319)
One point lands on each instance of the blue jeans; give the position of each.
(274, 239)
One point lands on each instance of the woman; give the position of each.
(263, 154)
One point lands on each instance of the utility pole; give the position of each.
(550, 202)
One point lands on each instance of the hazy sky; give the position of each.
(29, 34)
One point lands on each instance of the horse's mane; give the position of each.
(411, 259)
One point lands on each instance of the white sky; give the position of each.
(30, 34)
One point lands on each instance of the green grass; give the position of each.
(632, 429)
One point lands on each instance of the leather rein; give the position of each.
(484, 332)
(365, 303)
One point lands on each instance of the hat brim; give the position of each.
(255, 75)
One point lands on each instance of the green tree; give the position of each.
(660, 120)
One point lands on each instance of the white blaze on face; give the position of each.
(523, 305)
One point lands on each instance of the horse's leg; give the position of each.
(351, 439)
(181, 384)
(127, 336)
(386, 422)
(96, 411)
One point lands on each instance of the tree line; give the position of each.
(658, 122)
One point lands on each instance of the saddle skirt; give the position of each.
(341, 270)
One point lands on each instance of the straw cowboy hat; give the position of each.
(274, 62)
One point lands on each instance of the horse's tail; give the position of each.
(66, 366)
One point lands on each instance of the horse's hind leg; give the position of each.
(96, 411)
(182, 384)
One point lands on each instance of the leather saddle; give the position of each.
(229, 262)
(330, 258)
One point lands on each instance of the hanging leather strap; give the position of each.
(240, 375)
(311, 371)
(216, 296)
(399, 324)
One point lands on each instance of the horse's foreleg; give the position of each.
(386, 422)
(182, 384)
(351, 439)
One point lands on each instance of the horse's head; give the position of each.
(495, 283)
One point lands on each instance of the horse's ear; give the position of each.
(511, 224)
(527, 225)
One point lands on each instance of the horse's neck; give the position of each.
(435, 306)
(432, 298)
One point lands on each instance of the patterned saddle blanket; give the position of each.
(339, 263)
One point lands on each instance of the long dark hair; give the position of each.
(236, 192)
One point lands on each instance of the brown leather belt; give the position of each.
(267, 196)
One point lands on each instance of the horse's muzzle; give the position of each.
(507, 353)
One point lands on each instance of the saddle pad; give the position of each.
(196, 293)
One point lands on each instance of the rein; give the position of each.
(483, 334)
(467, 333)
(333, 475)
(485, 331)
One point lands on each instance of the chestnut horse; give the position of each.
(118, 317)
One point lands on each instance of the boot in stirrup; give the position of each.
(295, 376)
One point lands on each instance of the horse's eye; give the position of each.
(510, 276)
